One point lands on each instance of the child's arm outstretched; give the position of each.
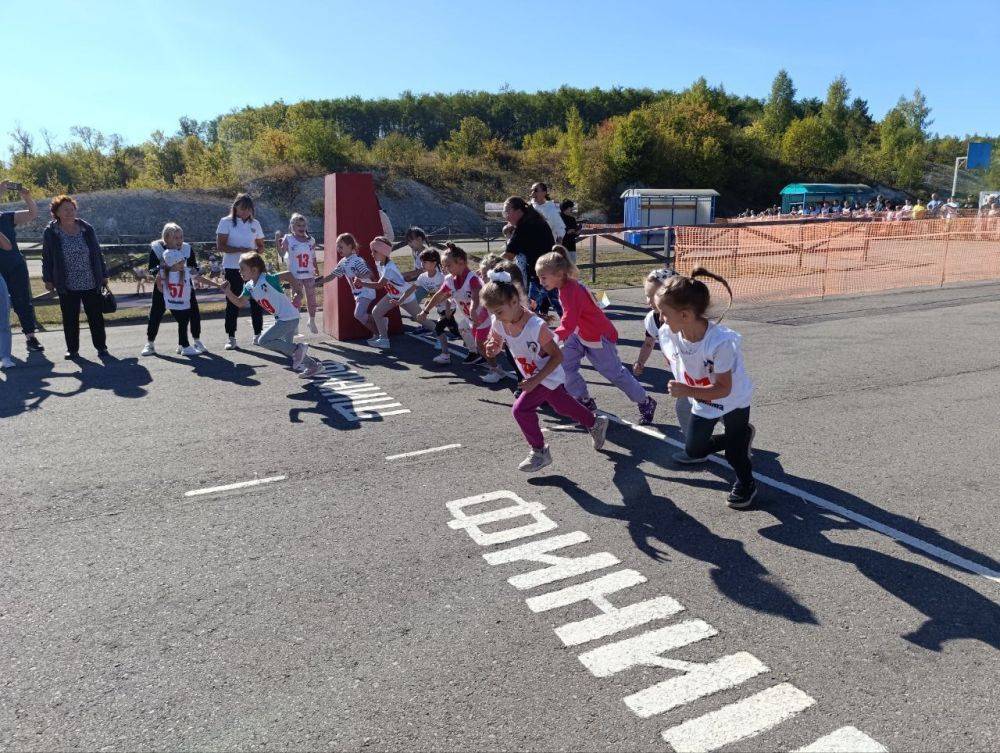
(433, 301)
(237, 300)
(644, 352)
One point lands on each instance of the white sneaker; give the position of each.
(312, 327)
(311, 369)
(299, 354)
(442, 358)
(599, 431)
(148, 349)
(231, 344)
(199, 346)
(188, 350)
(380, 342)
(492, 376)
(7, 363)
(256, 340)
(536, 460)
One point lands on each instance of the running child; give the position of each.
(430, 280)
(175, 284)
(461, 285)
(708, 367)
(538, 357)
(172, 238)
(353, 267)
(398, 292)
(298, 248)
(266, 290)
(585, 330)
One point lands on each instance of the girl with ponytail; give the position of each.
(708, 366)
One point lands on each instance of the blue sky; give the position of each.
(133, 67)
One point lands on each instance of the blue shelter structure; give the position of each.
(800, 195)
(662, 207)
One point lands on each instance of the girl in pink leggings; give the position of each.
(537, 356)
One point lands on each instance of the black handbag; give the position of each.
(108, 303)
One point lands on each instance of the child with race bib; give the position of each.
(462, 285)
(537, 356)
(175, 284)
(585, 330)
(708, 366)
(398, 292)
(430, 281)
(266, 290)
(353, 267)
(298, 248)
(172, 238)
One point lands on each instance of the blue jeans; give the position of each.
(538, 294)
(5, 341)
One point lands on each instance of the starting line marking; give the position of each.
(825, 504)
(442, 448)
(229, 487)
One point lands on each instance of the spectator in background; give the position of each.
(532, 237)
(547, 208)
(934, 205)
(919, 210)
(950, 209)
(73, 265)
(572, 234)
(906, 211)
(14, 269)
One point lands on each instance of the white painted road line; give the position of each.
(442, 448)
(863, 520)
(739, 720)
(845, 740)
(229, 487)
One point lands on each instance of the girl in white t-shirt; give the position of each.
(237, 233)
(298, 248)
(708, 366)
(352, 267)
(398, 292)
(175, 281)
(537, 356)
(266, 290)
(430, 281)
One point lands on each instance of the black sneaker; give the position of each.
(472, 359)
(71, 355)
(589, 403)
(34, 345)
(741, 496)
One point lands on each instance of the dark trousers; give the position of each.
(233, 312)
(158, 308)
(69, 303)
(183, 318)
(735, 441)
(14, 269)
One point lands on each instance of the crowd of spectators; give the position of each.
(878, 208)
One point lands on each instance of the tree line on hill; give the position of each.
(586, 143)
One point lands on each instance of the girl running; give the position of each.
(298, 248)
(175, 285)
(708, 368)
(462, 285)
(430, 280)
(353, 267)
(172, 238)
(585, 331)
(537, 356)
(266, 290)
(398, 292)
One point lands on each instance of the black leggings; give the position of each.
(158, 308)
(183, 318)
(233, 312)
(15, 274)
(735, 441)
(93, 306)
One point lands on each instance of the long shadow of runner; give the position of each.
(212, 366)
(654, 519)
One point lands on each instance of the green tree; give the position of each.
(807, 146)
(469, 138)
(576, 159)
(780, 107)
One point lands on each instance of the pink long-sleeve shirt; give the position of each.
(582, 315)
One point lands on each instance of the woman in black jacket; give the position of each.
(73, 265)
(532, 237)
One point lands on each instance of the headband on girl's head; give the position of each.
(498, 276)
(381, 242)
(663, 274)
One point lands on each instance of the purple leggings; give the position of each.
(526, 406)
(605, 359)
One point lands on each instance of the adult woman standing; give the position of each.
(13, 267)
(73, 266)
(532, 237)
(239, 232)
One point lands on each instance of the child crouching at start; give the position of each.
(537, 356)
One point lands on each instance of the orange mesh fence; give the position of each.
(777, 262)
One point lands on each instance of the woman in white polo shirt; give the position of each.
(238, 233)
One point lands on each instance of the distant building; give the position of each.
(799, 195)
(666, 207)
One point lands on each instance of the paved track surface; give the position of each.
(337, 609)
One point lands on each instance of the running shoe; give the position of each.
(311, 370)
(741, 496)
(536, 460)
(442, 358)
(231, 344)
(492, 376)
(684, 459)
(188, 350)
(33, 344)
(149, 349)
(646, 410)
(298, 354)
(200, 347)
(256, 339)
(589, 403)
(599, 431)
(380, 342)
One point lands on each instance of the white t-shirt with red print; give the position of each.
(301, 257)
(268, 293)
(528, 349)
(461, 290)
(697, 363)
(177, 289)
(395, 286)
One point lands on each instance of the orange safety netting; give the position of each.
(777, 262)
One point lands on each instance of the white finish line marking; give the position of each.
(863, 520)
(442, 448)
(229, 487)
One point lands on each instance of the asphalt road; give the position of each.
(337, 608)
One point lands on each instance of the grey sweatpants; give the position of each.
(278, 337)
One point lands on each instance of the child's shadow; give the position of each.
(211, 366)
